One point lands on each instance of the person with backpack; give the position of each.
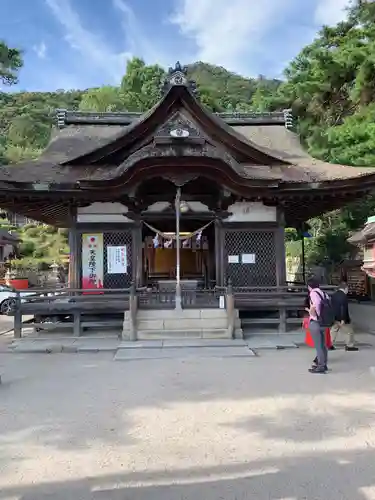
(308, 339)
(340, 304)
(321, 317)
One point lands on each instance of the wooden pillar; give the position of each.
(137, 264)
(75, 252)
(230, 310)
(133, 309)
(280, 249)
(219, 253)
(283, 319)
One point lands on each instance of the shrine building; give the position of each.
(241, 178)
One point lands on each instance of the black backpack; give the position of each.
(327, 315)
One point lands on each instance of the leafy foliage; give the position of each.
(39, 242)
(26, 120)
(331, 88)
(102, 99)
(10, 62)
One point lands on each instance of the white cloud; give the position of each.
(330, 12)
(40, 50)
(232, 33)
(139, 43)
(92, 48)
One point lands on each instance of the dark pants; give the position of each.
(318, 336)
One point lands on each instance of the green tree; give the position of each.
(103, 99)
(330, 86)
(264, 95)
(10, 63)
(141, 84)
(25, 131)
(333, 76)
(350, 143)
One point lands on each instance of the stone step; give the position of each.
(182, 334)
(126, 324)
(186, 352)
(238, 333)
(188, 323)
(147, 314)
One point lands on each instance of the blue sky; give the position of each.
(85, 43)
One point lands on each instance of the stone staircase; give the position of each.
(156, 324)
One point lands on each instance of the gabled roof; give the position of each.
(253, 150)
(84, 136)
(178, 98)
(84, 133)
(285, 144)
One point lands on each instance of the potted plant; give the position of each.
(16, 277)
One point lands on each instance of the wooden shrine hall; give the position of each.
(114, 179)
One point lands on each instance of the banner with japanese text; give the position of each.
(117, 262)
(92, 261)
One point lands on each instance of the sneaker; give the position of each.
(315, 364)
(316, 369)
(351, 348)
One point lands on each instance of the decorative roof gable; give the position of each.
(178, 99)
(177, 76)
(179, 126)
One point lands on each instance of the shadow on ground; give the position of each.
(286, 479)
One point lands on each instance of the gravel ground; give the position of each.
(77, 426)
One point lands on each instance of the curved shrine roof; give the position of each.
(259, 146)
(276, 140)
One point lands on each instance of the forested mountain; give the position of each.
(330, 87)
(26, 118)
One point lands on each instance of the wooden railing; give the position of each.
(70, 308)
(287, 302)
(190, 299)
(67, 307)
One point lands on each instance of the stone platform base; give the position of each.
(184, 324)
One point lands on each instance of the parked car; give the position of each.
(7, 298)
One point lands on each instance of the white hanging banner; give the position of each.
(92, 261)
(117, 261)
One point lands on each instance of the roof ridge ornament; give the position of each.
(289, 119)
(177, 77)
(61, 117)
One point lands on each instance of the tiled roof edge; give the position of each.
(65, 117)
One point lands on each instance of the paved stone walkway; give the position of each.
(165, 348)
(80, 427)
